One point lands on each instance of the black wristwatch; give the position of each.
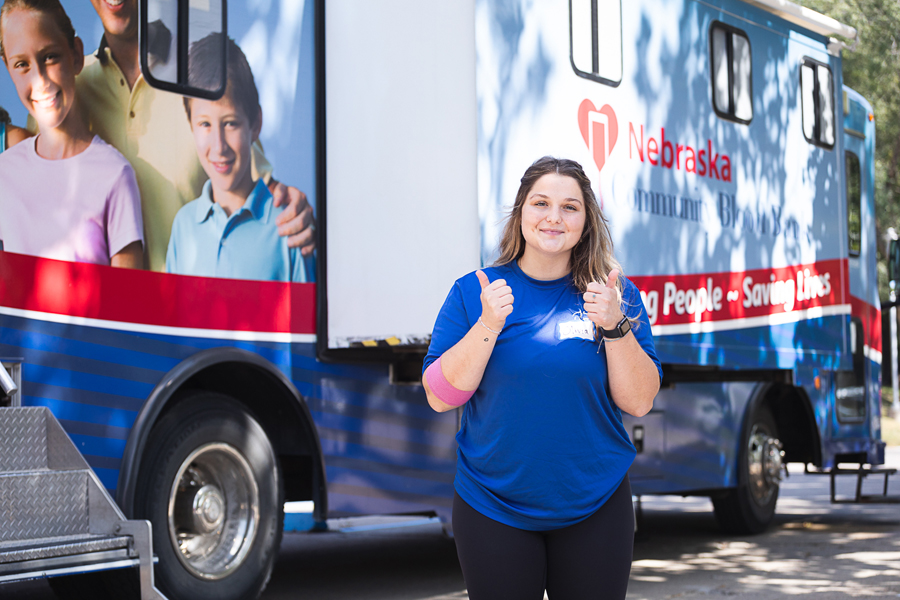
(620, 330)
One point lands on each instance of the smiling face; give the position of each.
(42, 65)
(223, 135)
(119, 18)
(553, 216)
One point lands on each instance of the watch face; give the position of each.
(623, 327)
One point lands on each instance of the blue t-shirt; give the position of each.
(208, 243)
(541, 443)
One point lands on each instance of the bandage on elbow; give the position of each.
(442, 388)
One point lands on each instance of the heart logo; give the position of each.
(599, 128)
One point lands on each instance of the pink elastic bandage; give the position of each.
(442, 388)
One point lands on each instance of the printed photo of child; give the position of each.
(230, 230)
(10, 135)
(66, 194)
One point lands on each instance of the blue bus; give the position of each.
(735, 168)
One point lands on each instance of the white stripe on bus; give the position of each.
(794, 316)
(219, 334)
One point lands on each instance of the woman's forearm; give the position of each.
(463, 365)
(633, 376)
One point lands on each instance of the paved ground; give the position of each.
(817, 549)
(831, 551)
(814, 548)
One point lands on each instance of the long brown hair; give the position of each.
(592, 257)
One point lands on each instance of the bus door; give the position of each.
(852, 388)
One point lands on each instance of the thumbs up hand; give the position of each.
(496, 301)
(602, 304)
(611, 280)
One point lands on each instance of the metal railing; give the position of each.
(8, 387)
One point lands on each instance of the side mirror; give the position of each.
(169, 33)
(894, 260)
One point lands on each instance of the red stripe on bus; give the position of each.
(159, 299)
(683, 299)
(871, 319)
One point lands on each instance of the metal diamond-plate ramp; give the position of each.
(43, 504)
(23, 439)
(71, 546)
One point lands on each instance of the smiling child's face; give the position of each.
(223, 135)
(42, 65)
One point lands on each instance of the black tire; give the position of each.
(750, 508)
(224, 463)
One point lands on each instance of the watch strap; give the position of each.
(620, 330)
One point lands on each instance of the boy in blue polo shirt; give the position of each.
(230, 230)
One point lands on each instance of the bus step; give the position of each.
(861, 473)
(56, 518)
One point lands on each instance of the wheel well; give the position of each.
(270, 404)
(265, 392)
(793, 413)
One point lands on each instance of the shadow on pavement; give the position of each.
(417, 563)
(814, 547)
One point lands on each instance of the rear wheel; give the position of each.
(750, 507)
(210, 485)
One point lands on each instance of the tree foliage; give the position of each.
(872, 68)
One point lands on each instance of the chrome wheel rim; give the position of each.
(213, 511)
(765, 461)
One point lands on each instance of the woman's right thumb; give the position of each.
(482, 279)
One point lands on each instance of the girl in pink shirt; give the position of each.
(66, 194)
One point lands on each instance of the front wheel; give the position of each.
(750, 508)
(211, 488)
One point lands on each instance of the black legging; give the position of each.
(588, 560)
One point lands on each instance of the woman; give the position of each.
(544, 350)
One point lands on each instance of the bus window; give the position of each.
(854, 225)
(731, 73)
(168, 29)
(816, 92)
(596, 42)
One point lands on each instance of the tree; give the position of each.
(872, 68)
